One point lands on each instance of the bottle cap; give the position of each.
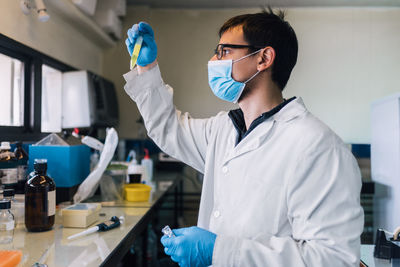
(40, 161)
(8, 192)
(40, 165)
(5, 204)
(5, 146)
(146, 151)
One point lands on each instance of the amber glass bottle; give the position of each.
(40, 199)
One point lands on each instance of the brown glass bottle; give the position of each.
(40, 199)
(22, 160)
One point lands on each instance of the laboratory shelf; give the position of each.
(75, 17)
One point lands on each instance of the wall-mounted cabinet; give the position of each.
(74, 16)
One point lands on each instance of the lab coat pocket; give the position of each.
(260, 203)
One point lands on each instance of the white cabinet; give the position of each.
(385, 161)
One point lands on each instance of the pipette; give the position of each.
(105, 226)
(136, 50)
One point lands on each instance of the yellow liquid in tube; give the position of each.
(136, 50)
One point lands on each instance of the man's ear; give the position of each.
(266, 58)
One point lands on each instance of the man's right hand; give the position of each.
(148, 52)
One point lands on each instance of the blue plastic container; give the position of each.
(67, 165)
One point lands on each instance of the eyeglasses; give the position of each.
(219, 50)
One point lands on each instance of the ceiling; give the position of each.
(260, 3)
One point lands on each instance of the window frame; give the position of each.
(33, 61)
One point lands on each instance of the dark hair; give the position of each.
(269, 29)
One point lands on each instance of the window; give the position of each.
(30, 92)
(51, 99)
(11, 91)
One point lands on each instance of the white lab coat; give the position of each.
(287, 195)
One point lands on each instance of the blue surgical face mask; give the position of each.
(221, 82)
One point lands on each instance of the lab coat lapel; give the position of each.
(262, 131)
(250, 142)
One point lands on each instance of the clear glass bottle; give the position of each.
(7, 223)
(40, 199)
(17, 206)
(8, 169)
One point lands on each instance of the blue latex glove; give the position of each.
(192, 246)
(148, 52)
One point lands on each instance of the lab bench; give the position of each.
(101, 248)
(367, 257)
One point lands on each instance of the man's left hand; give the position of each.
(191, 246)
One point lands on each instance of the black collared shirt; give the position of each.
(237, 118)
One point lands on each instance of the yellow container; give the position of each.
(137, 192)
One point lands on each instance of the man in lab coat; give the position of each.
(280, 188)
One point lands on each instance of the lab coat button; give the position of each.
(217, 214)
(225, 169)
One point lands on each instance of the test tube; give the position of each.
(136, 50)
(167, 231)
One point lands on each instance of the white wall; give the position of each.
(55, 37)
(348, 57)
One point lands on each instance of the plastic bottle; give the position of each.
(7, 223)
(135, 171)
(40, 199)
(147, 163)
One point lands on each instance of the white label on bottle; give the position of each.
(10, 225)
(9, 176)
(51, 198)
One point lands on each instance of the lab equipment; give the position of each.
(82, 93)
(7, 222)
(385, 160)
(148, 52)
(136, 50)
(135, 170)
(221, 81)
(80, 215)
(147, 164)
(194, 247)
(387, 245)
(52, 139)
(137, 192)
(102, 227)
(40, 199)
(17, 206)
(22, 158)
(8, 167)
(89, 186)
(167, 231)
(68, 164)
(112, 181)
